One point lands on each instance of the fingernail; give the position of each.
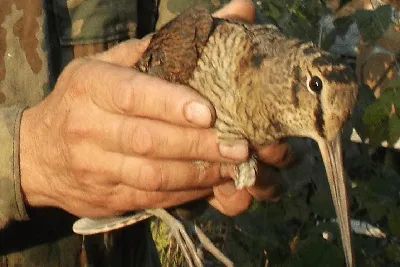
(198, 114)
(228, 189)
(235, 151)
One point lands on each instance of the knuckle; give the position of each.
(195, 145)
(139, 139)
(150, 177)
(79, 166)
(122, 96)
(75, 128)
(98, 194)
(76, 75)
(125, 96)
(100, 200)
(73, 68)
(100, 197)
(164, 107)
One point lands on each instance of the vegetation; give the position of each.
(290, 232)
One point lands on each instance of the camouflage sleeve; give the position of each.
(11, 200)
(24, 82)
(168, 9)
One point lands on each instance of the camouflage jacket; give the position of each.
(37, 39)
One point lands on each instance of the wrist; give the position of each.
(34, 189)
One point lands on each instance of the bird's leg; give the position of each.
(87, 226)
(184, 241)
(210, 247)
(182, 238)
(247, 172)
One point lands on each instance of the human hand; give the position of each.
(110, 139)
(243, 10)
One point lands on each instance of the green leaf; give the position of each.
(365, 98)
(378, 122)
(395, 83)
(376, 114)
(376, 118)
(388, 96)
(379, 134)
(373, 24)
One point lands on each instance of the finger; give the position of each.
(130, 199)
(278, 155)
(125, 198)
(269, 184)
(149, 138)
(153, 175)
(238, 9)
(230, 201)
(108, 169)
(125, 54)
(127, 91)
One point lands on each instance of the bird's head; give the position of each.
(302, 90)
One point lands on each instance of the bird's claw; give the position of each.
(246, 173)
(182, 238)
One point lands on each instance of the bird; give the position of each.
(264, 87)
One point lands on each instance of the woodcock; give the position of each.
(264, 87)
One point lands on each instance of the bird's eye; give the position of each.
(315, 84)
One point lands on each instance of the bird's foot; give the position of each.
(182, 238)
(185, 242)
(246, 173)
(210, 247)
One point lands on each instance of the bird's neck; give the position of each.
(225, 75)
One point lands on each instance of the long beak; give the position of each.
(332, 156)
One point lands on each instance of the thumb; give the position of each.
(125, 54)
(238, 9)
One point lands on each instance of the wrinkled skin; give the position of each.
(92, 146)
(125, 143)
